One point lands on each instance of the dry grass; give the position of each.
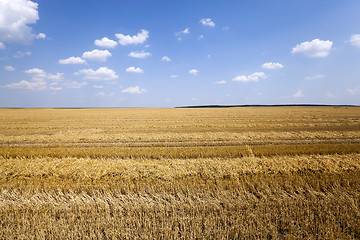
(283, 173)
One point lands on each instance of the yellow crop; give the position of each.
(234, 173)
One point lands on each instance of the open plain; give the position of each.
(217, 173)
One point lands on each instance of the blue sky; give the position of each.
(63, 53)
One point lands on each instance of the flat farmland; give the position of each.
(207, 173)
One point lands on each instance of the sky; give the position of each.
(163, 53)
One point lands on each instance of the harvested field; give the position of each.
(223, 173)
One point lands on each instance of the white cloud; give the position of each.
(9, 68)
(26, 85)
(16, 15)
(225, 28)
(317, 76)
(35, 71)
(298, 94)
(100, 94)
(105, 43)
(101, 74)
(135, 89)
(41, 75)
(72, 60)
(2, 45)
(241, 78)
(138, 54)
(353, 91)
(174, 76)
(250, 78)
(330, 95)
(136, 39)
(55, 88)
(220, 82)
(193, 72)
(186, 31)
(97, 55)
(20, 54)
(103, 94)
(74, 84)
(355, 40)
(41, 36)
(207, 22)
(272, 66)
(134, 70)
(166, 59)
(98, 86)
(39, 81)
(314, 49)
(201, 37)
(55, 77)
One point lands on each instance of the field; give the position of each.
(222, 173)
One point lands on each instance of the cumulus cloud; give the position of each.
(40, 81)
(298, 94)
(136, 39)
(193, 72)
(74, 84)
(138, 54)
(98, 86)
(41, 36)
(2, 45)
(272, 66)
(97, 55)
(250, 78)
(220, 82)
(9, 68)
(55, 77)
(314, 49)
(55, 88)
(16, 15)
(134, 70)
(103, 94)
(101, 74)
(166, 59)
(353, 91)
(100, 94)
(317, 76)
(185, 31)
(355, 40)
(39, 74)
(72, 60)
(105, 43)
(207, 22)
(329, 95)
(174, 76)
(135, 89)
(20, 54)
(35, 71)
(27, 85)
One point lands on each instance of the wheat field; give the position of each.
(219, 173)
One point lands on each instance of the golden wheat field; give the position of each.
(219, 173)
